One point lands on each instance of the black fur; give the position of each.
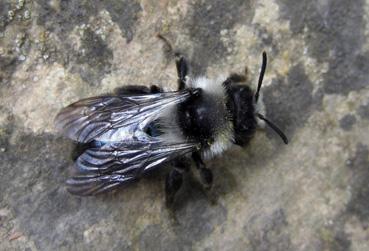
(182, 70)
(241, 106)
(198, 117)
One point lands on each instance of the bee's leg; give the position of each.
(137, 89)
(182, 70)
(132, 89)
(155, 89)
(173, 181)
(206, 174)
(181, 63)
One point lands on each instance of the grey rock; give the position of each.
(363, 111)
(312, 194)
(347, 122)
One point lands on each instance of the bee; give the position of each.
(138, 129)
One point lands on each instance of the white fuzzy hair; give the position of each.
(224, 130)
(224, 134)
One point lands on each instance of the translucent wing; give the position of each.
(113, 118)
(105, 168)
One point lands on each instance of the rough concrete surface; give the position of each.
(312, 194)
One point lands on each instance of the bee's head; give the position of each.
(242, 103)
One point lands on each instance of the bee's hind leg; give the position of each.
(181, 62)
(206, 174)
(206, 178)
(173, 181)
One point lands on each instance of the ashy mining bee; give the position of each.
(138, 129)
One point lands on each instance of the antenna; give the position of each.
(261, 76)
(274, 127)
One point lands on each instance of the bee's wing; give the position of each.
(103, 117)
(103, 169)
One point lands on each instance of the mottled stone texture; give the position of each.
(312, 194)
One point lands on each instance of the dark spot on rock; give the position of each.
(226, 181)
(265, 37)
(347, 122)
(206, 22)
(17, 15)
(332, 25)
(46, 214)
(334, 238)
(33, 188)
(154, 237)
(4, 8)
(121, 245)
(95, 53)
(92, 60)
(341, 241)
(70, 14)
(125, 14)
(289, 101)
(7, 68)
(197, 217)
(32, 183)
(268, 233)
(363, 111)
(318, 98)
(359, 202)
(347, 73)
(6, 129)
(22, 158)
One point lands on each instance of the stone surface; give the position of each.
(312, 194)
